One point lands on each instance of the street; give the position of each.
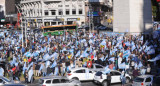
(85, 84)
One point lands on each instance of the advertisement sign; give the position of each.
(95, 13)
(71, 19)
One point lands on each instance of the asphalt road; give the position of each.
(87, 84)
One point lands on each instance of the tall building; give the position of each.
(53, 12)
(132, 16)
(100, 9)
(2, 12)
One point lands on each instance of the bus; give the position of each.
(58, 29)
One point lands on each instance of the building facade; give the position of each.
(53, 12)
(2, 12)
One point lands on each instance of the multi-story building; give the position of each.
(53, 12)
(2, 12)
(99, 9)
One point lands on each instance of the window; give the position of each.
(48, 81)
(138, 79)
(97, 66)
(60, 12)
(59, 5)
(67, 11)
(53, 23)
(117, 73)
(73, 11)
(46, 13)
(80, 11)
(148, 79)
(1, 81)
(64, 80)
(80, 71)
(56, 81)
(90, 71)
(67, 5)
(53, 13)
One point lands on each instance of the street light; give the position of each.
(21, 23)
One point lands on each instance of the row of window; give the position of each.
(60, 12)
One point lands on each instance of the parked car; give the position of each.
(97, 67)
(81, 74)
(143, 80)
(4, 80)
(101, 78)
(58, 81)
(13, 84)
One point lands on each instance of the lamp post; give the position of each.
(21, 23)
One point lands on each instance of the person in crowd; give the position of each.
(26, 76)
(148, 69)
(123, 78)
(135, 73)
(108, 79)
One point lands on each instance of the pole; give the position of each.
(21, 24)
(25, 33)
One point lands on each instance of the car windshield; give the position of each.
(99, 73)
(139, 79)
(69, 72)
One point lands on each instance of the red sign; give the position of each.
(158, 0)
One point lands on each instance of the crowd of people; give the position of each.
(55, 55)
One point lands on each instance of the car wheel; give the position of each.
(75, 78)
(127, 80)
(104, 83)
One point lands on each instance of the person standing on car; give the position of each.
(108, 79)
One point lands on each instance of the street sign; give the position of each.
(2, 20)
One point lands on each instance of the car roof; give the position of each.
(54, 77)
(74, 69)
(145, 76)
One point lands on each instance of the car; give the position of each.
(14, 84)
(4, 80)
(81, 74)
(97, 67)
(143, 80)
(58, 81)
(101, 78)
(156, 81)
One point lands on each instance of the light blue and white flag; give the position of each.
(78, 53)
(46, 56)
(31, 64)
(54, 64)
(30, 74)
(106, 70)
(122, 65)
(1, 71)
(41, 67)
(56, 71)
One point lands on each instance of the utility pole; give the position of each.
(20, 23)
(91, 25)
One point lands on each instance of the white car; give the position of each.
(97, 67)
(143, 80)
(101, 78)
(58, 81)
(4, 80)
(81, 74)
